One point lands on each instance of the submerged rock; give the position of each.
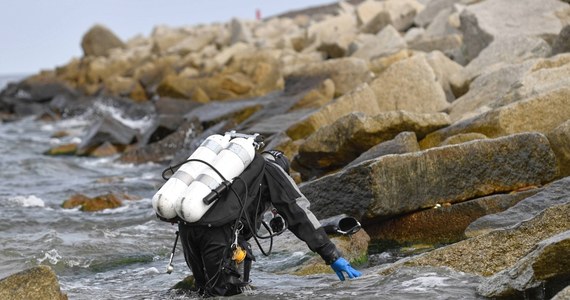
(92, 204)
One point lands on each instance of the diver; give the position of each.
(216, 247)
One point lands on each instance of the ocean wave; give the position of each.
(53, 257)
(26, 201)
(427, 281)
(105, 109)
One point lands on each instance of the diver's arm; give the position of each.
(294, 207)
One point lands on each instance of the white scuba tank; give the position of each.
(231, 162)
(164, 200)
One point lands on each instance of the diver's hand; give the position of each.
(342, 265)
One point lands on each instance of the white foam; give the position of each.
(27, 201)
(148, 271)
(116, 113)
(51, 256)
(424, 283)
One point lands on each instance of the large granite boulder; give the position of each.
(511, 83)
(404, 142)
(541, 113)
(431, 10)
(346, 73)
(441, 224)
(542, 272)
(551, 195)
(485, 21)
(410, 85)
(396, 184)
(507, 50)
(495, 251)
(334, 146)
(38, 283)
(387, 41)
(361, 99)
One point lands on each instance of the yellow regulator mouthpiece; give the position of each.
(239, 254)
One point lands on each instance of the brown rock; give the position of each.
(360, 99)
(442, 224)
(99, 40)
(354, 249)
(411, 85)
(397, 184)
(559, 139)
(66, 149)
(92, 204)
(38, 283)
(540, 113)
(348, 137)
(462, 138)
(346, 73)
(498, 250)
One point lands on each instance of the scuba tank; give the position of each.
(164, 200)
(203, 191)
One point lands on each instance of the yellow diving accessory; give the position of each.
(239, 254)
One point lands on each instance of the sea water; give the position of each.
(122, 253)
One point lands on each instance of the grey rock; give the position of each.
(562, 42)
(485, 21)
(533, 274)
(411, 85)
(404, 142)
(431, 10)
(397, 184)
(498, 250)
(541, 113)
(507, 50)
(553, 194)
(336, 145)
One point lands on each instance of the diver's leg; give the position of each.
(192, 255)
(222, 278)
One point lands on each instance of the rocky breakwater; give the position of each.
(420, 118)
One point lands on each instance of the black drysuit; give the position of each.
(207, 243)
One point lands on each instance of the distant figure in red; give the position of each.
(258, 14)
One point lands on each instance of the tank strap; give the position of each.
(212, 145)
(208, 180)
(241, 152)
(183, 176)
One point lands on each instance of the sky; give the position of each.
(43, 34)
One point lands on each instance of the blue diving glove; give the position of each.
(342, 265)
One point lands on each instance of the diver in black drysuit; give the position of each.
(208, 244)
